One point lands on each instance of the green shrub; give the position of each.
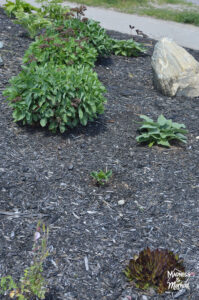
(52, 10)
(160, 132)
(11, 8)
(59, 49)
(127, 47)
(150, 269)
(56, 96)
(57, 88)
(33, 23)
(84, 28)
(96, 35)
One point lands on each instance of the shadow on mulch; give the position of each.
(93, 128)
(47, 176)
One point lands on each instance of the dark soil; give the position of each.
(46, 176)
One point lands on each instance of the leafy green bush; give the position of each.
(84, 28)
(96, 35)
(160, 132)
(49, 89)
(11, 8)
(150, 269)
(101, 177)
(60, 49)
(33, 23)
(53, 16)
(127, 47)
(52, 9)
(57, 96)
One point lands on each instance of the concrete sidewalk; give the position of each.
(184, 35)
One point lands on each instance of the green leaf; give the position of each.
(81, 115)
(163, 143)
(84, 120)
(109, 173)
(161, 120)
(147, 126)
(62, 128)
(93, 106)
(146, 118)
(18, 115)
(151, 144)
(49, 113)
(177, 125)
(43, 122)
(41, 101)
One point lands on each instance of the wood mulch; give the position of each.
(47, 176)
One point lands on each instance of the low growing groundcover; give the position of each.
(93, 234)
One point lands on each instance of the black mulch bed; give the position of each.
(46, 176)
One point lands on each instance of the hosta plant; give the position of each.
(55, 96)
(101, 177)
(160, 132)
(127, 47)
(33, 23)
(150, 269)
(32, 283)
(11, 8)
(60, 50)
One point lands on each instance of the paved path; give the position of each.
(184, 35)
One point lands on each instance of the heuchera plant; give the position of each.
(150, 269)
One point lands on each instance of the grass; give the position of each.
(181, 17)
(174, 10)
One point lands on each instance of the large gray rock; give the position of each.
(176, 72)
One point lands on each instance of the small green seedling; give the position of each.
(101, 177)
(160, 132)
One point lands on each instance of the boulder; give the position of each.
(176, 72)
